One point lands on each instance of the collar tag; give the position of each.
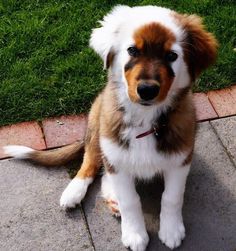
(155, 131)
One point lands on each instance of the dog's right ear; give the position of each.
(199, 45)
(103, 39)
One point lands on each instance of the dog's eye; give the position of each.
(133, 51)
(171, 56)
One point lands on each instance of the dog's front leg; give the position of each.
(134, 234)
(172, 230)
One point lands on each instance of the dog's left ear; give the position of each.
(103, 39)
(200, 46)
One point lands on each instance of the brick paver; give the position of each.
(204, 109)
(223, 101)
(26, 133)
(64, 130)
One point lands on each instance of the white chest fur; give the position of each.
(141, 159)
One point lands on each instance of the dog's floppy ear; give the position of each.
(102, 39)
(200, 46)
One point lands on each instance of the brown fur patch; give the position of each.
(110, 58)
(200, 46)
(131, 77)
(112, 124)
(153, 38)
(92, 157)
(153, 42)
(179, 128)
(58, 156)
(167, 83)
(113, 206)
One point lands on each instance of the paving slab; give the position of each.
(226, 130)
(32, 220)
(30, 216)
(209, 209)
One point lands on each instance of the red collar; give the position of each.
(158, 126)
(153, 130)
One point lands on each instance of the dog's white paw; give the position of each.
(135, 241)
(74, 192)
(171, 232)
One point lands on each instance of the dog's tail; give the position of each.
(54, 157)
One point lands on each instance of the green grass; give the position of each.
(47, 68)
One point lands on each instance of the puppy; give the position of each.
(143, 122)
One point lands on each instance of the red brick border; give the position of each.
(59, 131)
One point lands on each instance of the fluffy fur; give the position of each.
(145, 48)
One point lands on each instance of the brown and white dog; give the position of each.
(143, 122)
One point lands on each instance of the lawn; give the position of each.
(47, 68)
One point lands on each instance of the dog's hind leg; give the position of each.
(109, 196)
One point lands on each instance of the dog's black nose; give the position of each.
(148, 91)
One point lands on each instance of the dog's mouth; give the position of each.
(146, 103)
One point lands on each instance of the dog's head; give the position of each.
(153, 50)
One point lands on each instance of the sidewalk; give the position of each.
(31, 218)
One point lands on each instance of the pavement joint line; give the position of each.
(225, 148)
(41, 127)
(212, 105)
(87, 225)
(216, 118)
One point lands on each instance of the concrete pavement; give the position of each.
(31, 219)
